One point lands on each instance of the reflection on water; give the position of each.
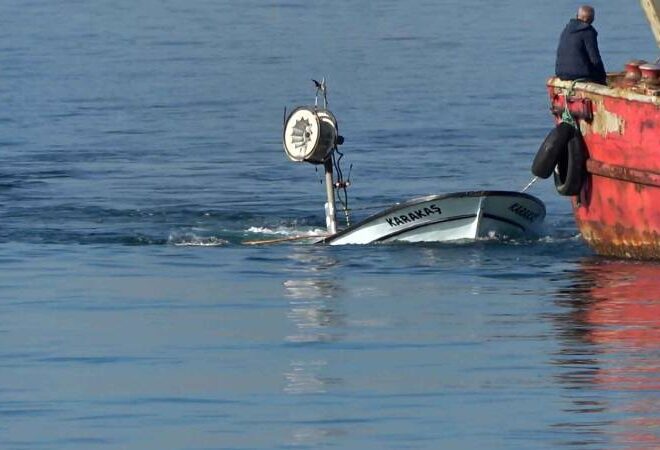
(609, 359)
(312, 298)
(316, 312)
(316, 319)
(314, 305)
(305, 377)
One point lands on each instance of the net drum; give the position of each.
(310, 134)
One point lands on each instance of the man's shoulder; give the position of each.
(590, 32)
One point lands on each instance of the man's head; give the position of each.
(586, 14)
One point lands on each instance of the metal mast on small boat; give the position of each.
(311, 135)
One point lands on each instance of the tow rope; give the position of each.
(566, 115)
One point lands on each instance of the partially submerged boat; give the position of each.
(311, 135)
(458, 216)
(610, 164)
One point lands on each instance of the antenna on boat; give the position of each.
(321, 88)
(311, 135)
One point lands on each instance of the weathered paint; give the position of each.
(580, 108)
(605, 123)
(618, 209)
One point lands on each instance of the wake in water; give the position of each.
(192, 240)
(286, 231)
(291, 231)
(199, 237)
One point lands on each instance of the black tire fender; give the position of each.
(570, 172)
(552, 149)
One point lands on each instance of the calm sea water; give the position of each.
(140, 143)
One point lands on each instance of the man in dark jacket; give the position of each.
(577, 53)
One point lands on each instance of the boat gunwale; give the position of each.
(603, 90)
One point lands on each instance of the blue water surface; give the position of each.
(141, 146)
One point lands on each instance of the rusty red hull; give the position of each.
(618, 208)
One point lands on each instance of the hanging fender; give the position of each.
(570, 171)
(552, 148)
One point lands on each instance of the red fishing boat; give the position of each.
(613, 172)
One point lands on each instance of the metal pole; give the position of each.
(330, 219)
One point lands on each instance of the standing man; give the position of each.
(577, 53)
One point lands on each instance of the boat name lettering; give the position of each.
(395, 221)
(523, 212)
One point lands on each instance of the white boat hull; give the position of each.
(450, 217)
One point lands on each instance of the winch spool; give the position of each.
(310, 134)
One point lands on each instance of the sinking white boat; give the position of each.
(311, 135)
(457, 216)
